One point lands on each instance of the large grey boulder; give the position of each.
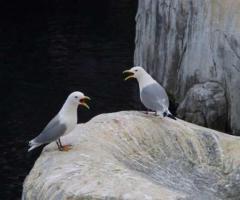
(183, 43)
(206, 105)
(134, 156)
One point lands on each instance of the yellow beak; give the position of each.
(129, 72)
(83, 103)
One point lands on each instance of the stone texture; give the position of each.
(183, 43)
(132, 156)
(206, 105)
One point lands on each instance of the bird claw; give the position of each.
(66, 147)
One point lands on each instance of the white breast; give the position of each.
(145, 80)
(69, 120)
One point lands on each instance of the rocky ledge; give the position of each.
(131, 155)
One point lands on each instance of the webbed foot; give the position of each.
(66, 147)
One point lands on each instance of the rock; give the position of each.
(205, 104)
(132, 156)
(183, 43)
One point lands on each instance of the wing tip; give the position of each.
(32, 144)
(170, 115)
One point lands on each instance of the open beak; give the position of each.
(130, 74)
(83, 103)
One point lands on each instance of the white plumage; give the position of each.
(152, 94)
(63, 123)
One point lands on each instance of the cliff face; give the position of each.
(130, 155)
(189, 42)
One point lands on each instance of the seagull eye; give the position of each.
(76, 97)
(136, 70)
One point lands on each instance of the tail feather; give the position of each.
(33, 145)
(170, 115)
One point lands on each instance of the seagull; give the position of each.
(152, 94)
(63, 123)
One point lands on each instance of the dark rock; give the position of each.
(205, 104)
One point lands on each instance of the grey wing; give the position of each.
(155, 97)
(51, 132)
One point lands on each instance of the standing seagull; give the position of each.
(63, 123)
(152, 94)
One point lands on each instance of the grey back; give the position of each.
(154, 97)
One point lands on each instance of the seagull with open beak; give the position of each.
(152, 94)
(63, 123)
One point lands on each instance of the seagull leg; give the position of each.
(64, 147)
(159, 114)
(58, 145)
(147, 111)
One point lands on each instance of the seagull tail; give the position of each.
(170, 115)
(33, 145)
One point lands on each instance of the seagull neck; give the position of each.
(145, 80)
(69, 108)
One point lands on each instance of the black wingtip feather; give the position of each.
(171, 116)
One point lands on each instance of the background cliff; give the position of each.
(192, 47)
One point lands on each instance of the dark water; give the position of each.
(49, 49)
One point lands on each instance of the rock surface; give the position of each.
(205, 104)
(133, 156)
(183, 43)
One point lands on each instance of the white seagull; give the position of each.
(63, 123)
(152, 94)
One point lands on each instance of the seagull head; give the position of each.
(135, 72)
(78, 98)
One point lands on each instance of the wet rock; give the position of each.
(183, 43)
(131, 155)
